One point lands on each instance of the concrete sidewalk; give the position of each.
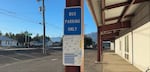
(90, 58)
(111, 63)
(114, 63)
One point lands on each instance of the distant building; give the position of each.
(56, 44)
(7, 42)
(36, 44)
(106, 44)
(49, 43)
(40, 43)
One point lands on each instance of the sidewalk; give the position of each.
(90, 58)
(111, 63)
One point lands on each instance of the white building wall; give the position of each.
(139, 39)
(141, 44)
(14, 43)
(130, 47)
(112, 46)
(8, 43)
(117, 47)
(122, 47)
(3, 43)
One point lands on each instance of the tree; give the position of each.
(6, 34)
(61, 42)
(1, 33)
(11, 35)
(40, 38)
(36, 38)
(20, 38)
(87, 41)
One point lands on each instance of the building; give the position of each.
(106, 44)
(126, 23)
(40, 43)
(7, 42)
(133, 44)
(56, 44)
(36, 44)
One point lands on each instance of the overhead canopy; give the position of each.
(107, 12)
(113, 16)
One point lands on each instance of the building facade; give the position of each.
(126, 23)
(133, 44)
(7, 42)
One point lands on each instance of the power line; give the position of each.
(55, 26)
(10, 12)
(13, 14)
(20, 18)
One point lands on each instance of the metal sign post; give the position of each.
(73, 51)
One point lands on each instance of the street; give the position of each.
(35, 61)
(31, 61)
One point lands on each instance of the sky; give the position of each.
(18, 16)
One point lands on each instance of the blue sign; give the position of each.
(72, 21)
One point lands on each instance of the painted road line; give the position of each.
(26, 55)
(11, 57)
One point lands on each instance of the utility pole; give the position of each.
(26, 39)
(43, 22)
(43, 15)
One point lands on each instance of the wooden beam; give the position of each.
(116, 26)
(111, 35)
(114, 18)
(99, 45)
(93, 12)
(125, 10)
(108, 39)
(123, 4)
(72, 68)
(70, 3)
(117, 5)
(102, 11)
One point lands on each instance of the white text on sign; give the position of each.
(72, 13)
(72, 28)
(70, 21)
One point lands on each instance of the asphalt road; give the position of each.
(7, 57)
(31, 61)
(35, 61)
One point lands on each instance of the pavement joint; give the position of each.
(11, 57)
(24, 61)
(26, 55)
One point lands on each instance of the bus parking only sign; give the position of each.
(72, 51)
(72, 46)
(72, 21)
